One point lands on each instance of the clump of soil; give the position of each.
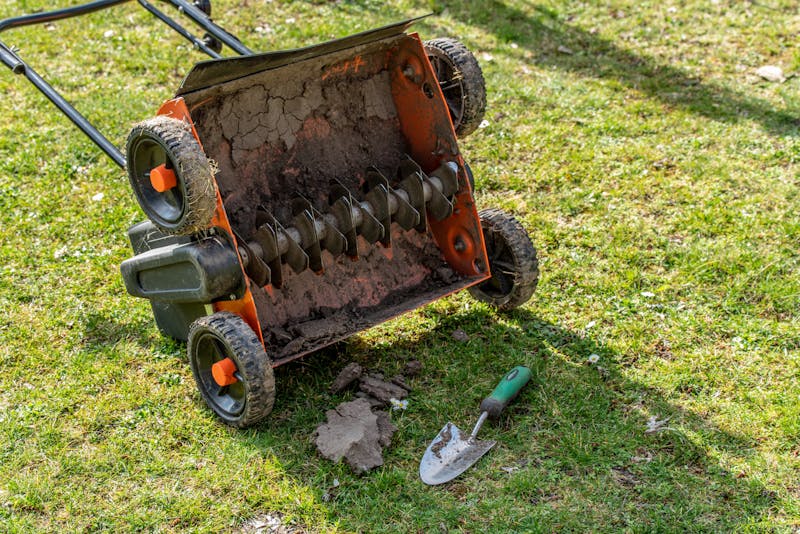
(347, 376)
(413, 368)
(355, 433)
(382, 390)
(359, 430)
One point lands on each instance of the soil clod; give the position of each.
(356, 434)
(460, 335)
(399, 380)
(381, 390)
(412, 368)
(375, 403)
(357, 431)
(346, 377)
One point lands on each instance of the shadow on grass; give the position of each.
(596, 57)
(100, 331)
(576, 428)
(575, 437)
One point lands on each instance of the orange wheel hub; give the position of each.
(163, 179)
(222, 371)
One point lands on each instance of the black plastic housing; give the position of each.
(180, 275)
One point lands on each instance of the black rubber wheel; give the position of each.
(225, 335)
(212, 43)
(189, 206)
(512, 261)
(461, 80)
(204, 6)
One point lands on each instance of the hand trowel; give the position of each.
(450, 453)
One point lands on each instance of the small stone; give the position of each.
(460, 335)
(412, 368)
(771, 73)
(346, 376)
(565, 50)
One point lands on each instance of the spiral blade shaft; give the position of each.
(301, 245)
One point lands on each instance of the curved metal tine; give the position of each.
(341, 205)
(305, 223)
(409, 175)
(267, 238)
(256, 269)
(377, 194)
(447, 173)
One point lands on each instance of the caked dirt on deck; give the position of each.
(290, 131)
(287, 131)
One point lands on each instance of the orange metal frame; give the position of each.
(426, 125)
(244, 307)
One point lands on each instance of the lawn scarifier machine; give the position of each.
(297, 197)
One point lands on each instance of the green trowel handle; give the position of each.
(508, 388)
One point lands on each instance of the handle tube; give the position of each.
(10, 59)
(18, 66)
(72, 114)
(160, 15)
(58, 14)
(202, 20)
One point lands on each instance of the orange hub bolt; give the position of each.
(222, 371)
(163, 179)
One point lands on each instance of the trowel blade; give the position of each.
(450, 454)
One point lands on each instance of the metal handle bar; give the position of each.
(58, 14)
(10, 59)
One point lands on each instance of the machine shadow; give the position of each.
(584, 421)
(593, 56)
(102, 330)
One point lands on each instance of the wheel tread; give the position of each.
(191, 165)
(474, 85)
(524, 256)
(251, 360)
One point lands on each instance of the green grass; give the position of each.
(658, 178)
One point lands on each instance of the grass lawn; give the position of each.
(657, 175)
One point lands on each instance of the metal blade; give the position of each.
(450, 454)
